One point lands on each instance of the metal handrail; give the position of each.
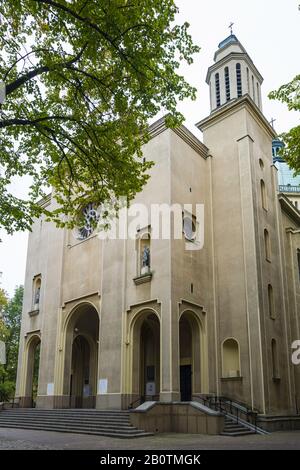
(227, 406)
(142, 399)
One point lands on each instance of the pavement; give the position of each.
(23, 439)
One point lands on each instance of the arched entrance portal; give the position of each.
(190, 356)
(32, 375)
(146, 357)
(81, 358)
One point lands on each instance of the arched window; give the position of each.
(271, 302)
(261, 164)
(227, 83)
(257, 91)
(267, 245)
(37, 284)
(253, 89)
(275, 364)
(248, 81)
(231, 358)
(218, 96)
(239, 80)
(263, 195)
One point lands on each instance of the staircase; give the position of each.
(96, 422)
(233, 429)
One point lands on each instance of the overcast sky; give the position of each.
(270, 32)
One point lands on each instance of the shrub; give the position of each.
(7, 390)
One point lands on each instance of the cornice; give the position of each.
(232, 107)
(289, 208)
(234, 55)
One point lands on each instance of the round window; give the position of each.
(90, 216)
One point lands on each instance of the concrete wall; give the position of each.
(181, 418)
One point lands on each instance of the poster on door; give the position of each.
(150, 388)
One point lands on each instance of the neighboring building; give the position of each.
(288, 184)
(118, 320)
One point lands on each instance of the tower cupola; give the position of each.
(233, 75)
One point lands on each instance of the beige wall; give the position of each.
(230, 275)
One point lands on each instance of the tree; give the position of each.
(290, 94)
(3, 300)
(12, 318)
(82, 79)
(4, 334)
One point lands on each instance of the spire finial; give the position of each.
(230, 27)
(272, 122)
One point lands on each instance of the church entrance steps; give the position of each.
(95, 422)
(233, 428)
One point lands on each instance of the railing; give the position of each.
(227, 406)
(142, 399)
(289, 189)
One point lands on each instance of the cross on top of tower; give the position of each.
(272, 122)
(230, 27)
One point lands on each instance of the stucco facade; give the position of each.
(217, 320)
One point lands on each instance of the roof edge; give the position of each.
(289, 208)
(243, 101)
(185, 134)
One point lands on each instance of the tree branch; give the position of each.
(40, 70)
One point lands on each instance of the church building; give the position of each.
(116, 323)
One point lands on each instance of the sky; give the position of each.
(270, 32)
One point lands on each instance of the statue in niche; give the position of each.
(146, 257)
(37, 296)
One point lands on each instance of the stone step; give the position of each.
(246, 432)
(66, 412)
(118, 434)
(69, 424)
(96, 422)
(237, 429)
(234, 428)
(67, 418)
(233, 425)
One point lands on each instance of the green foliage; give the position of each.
(3, 328)
(3, 299)
(290, 94)
(82, 80)
(7, 390)
(12, 318)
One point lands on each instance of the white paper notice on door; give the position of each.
(102, 386)
(50, 389)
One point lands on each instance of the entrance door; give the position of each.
(80, 372)
(186, 383)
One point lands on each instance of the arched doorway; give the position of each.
(32, 374)
(81, 357)
(190, 356)
(146, 357)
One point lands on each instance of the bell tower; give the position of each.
(233, 75)
(244, 208)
